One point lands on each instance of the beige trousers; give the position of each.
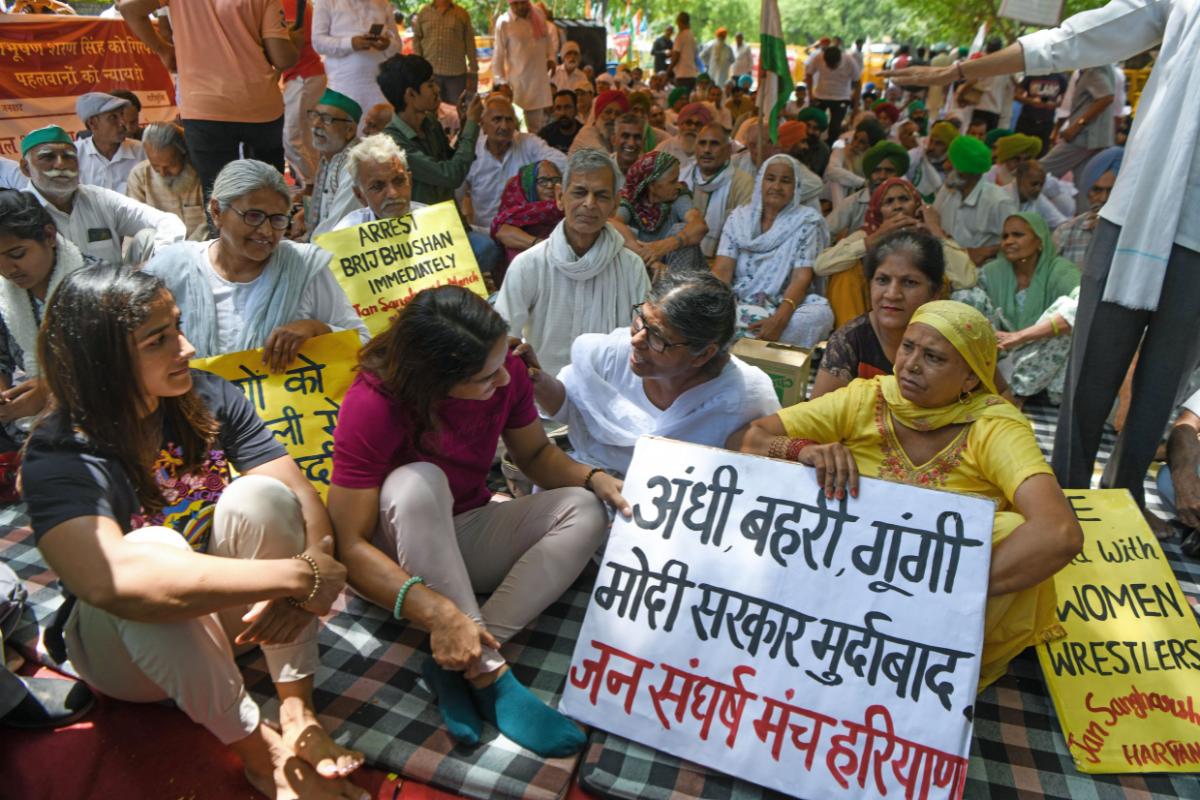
(192, 661)
(524, 552)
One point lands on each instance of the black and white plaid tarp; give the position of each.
(368, 691)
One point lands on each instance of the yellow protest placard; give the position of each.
(300, 405)
(380, 265)
(1126, 679)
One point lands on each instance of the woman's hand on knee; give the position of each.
(457, 641)
(331, 582)
(836, 469)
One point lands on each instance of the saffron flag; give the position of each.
(775, 78)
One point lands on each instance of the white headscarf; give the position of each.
(767, 259)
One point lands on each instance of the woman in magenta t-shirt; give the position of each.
(410, 505)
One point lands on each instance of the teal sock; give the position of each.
(527, 720)
(454, 702)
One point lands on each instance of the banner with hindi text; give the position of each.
(381, 265)
(825, 648)
(1126, 679)
(300, 405)
(47, 62)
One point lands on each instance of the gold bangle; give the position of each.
(312, 562)
(1054, 326)
(778, 447)
(790, 300)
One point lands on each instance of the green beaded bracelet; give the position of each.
(408, 584)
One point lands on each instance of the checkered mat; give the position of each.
(1018, 750)
(369, 692)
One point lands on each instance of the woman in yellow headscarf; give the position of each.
(937, 422)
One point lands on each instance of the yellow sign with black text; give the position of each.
(381, 265)
(1126, 679)
(299, 405)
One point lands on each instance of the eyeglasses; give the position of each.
(655, 340)
(326, 119)
(255, 218)
(549, 182)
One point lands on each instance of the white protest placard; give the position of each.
(823, 648)
(1046, 13)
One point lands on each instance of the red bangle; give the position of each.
(795, 446)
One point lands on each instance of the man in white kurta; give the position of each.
(95, 220)
(582, 279)
(525, 50)
(341, 33)
(500, 153)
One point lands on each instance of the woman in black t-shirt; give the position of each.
(904, 271)
(168, 561)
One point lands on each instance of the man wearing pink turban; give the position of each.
(691, 119)
(526, 49)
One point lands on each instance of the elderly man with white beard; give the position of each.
(166, 180)
(95, 220)
(334, 121)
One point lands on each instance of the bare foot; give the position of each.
(1162, 529)
(304, 737)
(292, 778)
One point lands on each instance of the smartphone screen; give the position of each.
(376, 29)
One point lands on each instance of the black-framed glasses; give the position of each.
(255, 218)
(326, 119)
(549, 181)
(655, 340)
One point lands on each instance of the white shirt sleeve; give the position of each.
(500, 53)
(131, 217)
(324, 301)
(515, 297)
(1118, 31)
(323, 40)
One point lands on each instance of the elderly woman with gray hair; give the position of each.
(250, 288)
(166, 180)
(669, 374)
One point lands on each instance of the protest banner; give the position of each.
(1126, 679)
(825, 648)
(381, 265)
(300, 405)
(47, 62)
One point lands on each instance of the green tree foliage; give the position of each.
(804, 21)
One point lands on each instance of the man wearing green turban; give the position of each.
(885, 159)
(972, 209)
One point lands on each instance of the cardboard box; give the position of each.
(786, 364)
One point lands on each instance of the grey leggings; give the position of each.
(524, 552)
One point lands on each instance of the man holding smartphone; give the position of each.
(355, 37)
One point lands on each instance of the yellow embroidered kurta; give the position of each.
(988, 458)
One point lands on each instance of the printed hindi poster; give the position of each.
(300, 405)
(382, 264)
(824, 648)
(1126, 679)
(47, 62)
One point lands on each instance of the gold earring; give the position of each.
(964, 397)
